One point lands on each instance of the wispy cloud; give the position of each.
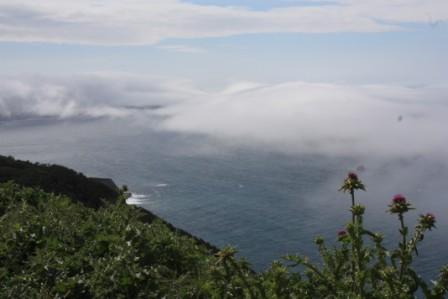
(148, 22)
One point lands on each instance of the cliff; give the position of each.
(58, 180)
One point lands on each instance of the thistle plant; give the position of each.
(361, 267)
(351, 184)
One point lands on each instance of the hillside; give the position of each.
(91, 192)
(56, 179)
(52, 247)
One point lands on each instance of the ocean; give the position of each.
(264, 202)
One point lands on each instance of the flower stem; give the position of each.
(404, 253)
(352, 194)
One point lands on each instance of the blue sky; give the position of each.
(416, 56)
(262, 4)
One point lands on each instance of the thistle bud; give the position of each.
(358, 210)
(378, 237)
(342, 235)
(319, 241)
(427, 221)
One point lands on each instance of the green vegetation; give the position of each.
(56, 179)
(51, 247)
(54, 247)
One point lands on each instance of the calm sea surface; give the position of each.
(264, 203)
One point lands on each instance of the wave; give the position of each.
(137, 199)
(162, 185)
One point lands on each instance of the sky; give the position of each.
(260, 70)
(216, 43)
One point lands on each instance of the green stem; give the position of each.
(352, 194)
(403, 246)
(417, 238)
(358, 253)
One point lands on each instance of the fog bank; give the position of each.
(293, 117)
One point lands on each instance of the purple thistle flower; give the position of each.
(399, 199)
(351, 183)
(353, 176)
(399, 205)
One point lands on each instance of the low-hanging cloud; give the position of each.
(90, 95)
(297, 117)
(135, 22)
(323, 118)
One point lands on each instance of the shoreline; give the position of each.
(149, 216)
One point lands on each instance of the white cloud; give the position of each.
(91, 95)
(322, 118)
(114, 22)
(298, 117)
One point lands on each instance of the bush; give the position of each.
(52, 247)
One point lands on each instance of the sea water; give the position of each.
(266, 203)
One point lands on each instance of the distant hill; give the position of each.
(57, 179)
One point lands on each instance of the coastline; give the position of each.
(149, 216)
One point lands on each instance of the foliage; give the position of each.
(52, 247)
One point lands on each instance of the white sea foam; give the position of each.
(137, 199)
(162, 185)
